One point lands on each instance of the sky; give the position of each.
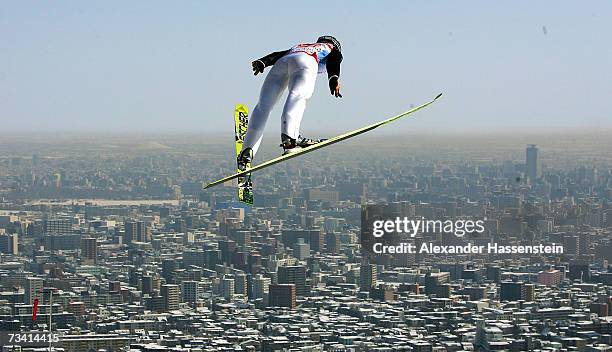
(169, 67)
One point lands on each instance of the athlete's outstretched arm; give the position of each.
(268, 60)
(333, 72)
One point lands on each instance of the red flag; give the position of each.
(35, 309)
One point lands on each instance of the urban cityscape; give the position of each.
(110, 244)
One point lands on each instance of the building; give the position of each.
(579, 270)
(550, 277)
(532, 166)
(114, 286)
(315, 237)
(94, 342)
(382, 293)
(9, 244)
(146, 284)
(367, 276)
(528, 292)
(260, 287)
(321, 195)
(332, 242)
(89, 250)
(171, 295)
(59, 225)
(6, 220)
(169, 267)
(64, 241)
(301, 249)
(511, 291)
(476, 293)
(294, 274)
(494, 273)
(243, 238)
(227, 248)
(283, 295)
(33, 287)
(227, 288)
(191, 291)
(240, 283)
(136, 231)
(196, 257)
(435, 283)
(155, 303)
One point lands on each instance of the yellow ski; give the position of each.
(322, 144)
(245, 185)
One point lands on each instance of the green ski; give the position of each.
(245, 185)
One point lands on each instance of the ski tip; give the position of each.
(437, 96)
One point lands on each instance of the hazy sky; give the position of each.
(176, 66)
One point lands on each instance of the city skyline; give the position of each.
(133, 253)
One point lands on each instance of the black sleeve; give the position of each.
(271, 59)
(333, 63)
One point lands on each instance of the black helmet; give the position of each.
(330, 39)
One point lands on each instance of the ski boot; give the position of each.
(244, 159)
(292, 145)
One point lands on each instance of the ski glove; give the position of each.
(334, 86)
(258, 67)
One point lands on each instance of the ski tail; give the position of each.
(245, 185)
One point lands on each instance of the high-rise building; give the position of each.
(169, 267)
(511, 291)
(147, 284)
(240, 283)
(195, 257)
(260, 287)
(227, 288)
(170, 293)
(243, 238)
(532, 166)
(9, 243)
(579, 270)
(89, 250)
(571, 245)
(33, 289)
(494, 273)
(213, 257)
(528, 293)
(367, 277)
(59, 225)
(301, 249)
(227, 248)
(332, 242)
(294, 274)
(191, 291)
(283, 295)
(314, 237)
(136, 231)
(438, 284)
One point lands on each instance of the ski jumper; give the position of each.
(295, 69)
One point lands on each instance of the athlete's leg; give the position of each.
(302, 78)
(273, 86)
